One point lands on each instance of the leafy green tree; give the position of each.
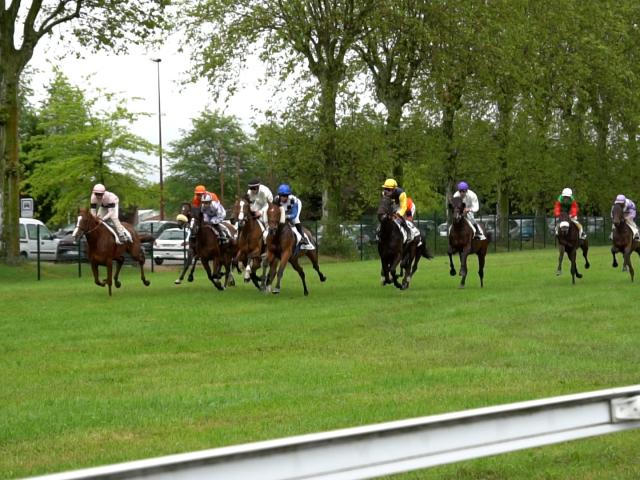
(215, 152)
(80, 145)
(310, 34)
(95, 24)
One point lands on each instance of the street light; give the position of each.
(158, 60)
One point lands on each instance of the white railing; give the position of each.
(393, 447)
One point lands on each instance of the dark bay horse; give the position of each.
(568, 241)
(281, 247)
(462, 242)
(192, 256)
(622, 240)
(392, 249)
(251, 245)
(103, 249)
(209, 248)
(582, 243)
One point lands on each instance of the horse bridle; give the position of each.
(78, 235)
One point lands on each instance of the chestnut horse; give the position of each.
(582, 243)
(622, 240)
(462, 242)
(392, 249)
(281, 246)
(103, 249)
(251, 245)
(569, 241)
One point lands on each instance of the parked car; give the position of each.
(35, 235)
(443, 229)
(521, 228)
(68, 248)
(170, 245)
(156, 227)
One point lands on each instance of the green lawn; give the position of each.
(89, 380)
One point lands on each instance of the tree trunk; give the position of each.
(505, 109)
(9, 167)
(394, 118)
(327, 116)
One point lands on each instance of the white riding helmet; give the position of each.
(99, 188)
(206, 198)
(567, 192)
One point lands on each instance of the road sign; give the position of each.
(26, 207)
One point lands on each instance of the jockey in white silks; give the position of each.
(104, 205)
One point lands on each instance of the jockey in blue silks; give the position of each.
(292, 207)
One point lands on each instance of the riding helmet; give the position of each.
(284, 189)
(620, 199)
(200, 189)
(463, 186)
(206, 198)
(99, 188)
(567, 192)
(390, 183)
(254, 183)
(182, 218)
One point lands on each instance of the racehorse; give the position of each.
(463, 242)
(251, 245)
(392, 249)
(622, 240)
(192, 257)
(209, 248)
(281, 246)
(569, 241)
(103, 249)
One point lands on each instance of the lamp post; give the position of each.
(157, 61)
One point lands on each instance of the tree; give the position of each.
(79, 145)
(95, 24)
(288, 32)
(215, 152)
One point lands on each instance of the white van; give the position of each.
(29, 240)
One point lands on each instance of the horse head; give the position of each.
(86, 223)
(564, 224)
(456, 207)
(240, 212)
(385, 208)
(274, 218)
(617, 215)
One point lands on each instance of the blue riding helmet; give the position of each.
(463, 186)
(284, 189)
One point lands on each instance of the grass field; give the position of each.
(88, 380)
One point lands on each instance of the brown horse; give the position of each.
(192, 256)
(209, 248)
(281, 245)
(622, 240)
(251, 245)
(582, 243)
(103, 249)
(462, 242)
(392, 249)
(569, 240)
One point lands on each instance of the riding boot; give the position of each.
(478, 235)
(222, 236)
(303, 238)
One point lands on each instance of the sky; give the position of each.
(136, 75)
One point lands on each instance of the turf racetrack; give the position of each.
(88, 380)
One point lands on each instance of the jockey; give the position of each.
(391, 189)
(292, 207)
(471, 206)
(411, 210)
(259, 199)
(213, 214)
(566, 203)
(197, 196)
(104, 205)
(629, 212)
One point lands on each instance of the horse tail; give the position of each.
(145, 237)
(425, 252)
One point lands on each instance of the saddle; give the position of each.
(116, 237)
(307, 246)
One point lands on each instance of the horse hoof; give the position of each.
(117, 284)
(323, 278)
(178, 282)
(558, 273)
(452, 272)
(306, 294)
(578, 275)
(587, 265)
(275, 291)
(461, 286)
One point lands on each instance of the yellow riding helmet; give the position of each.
(182, 218)
(390, 183)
